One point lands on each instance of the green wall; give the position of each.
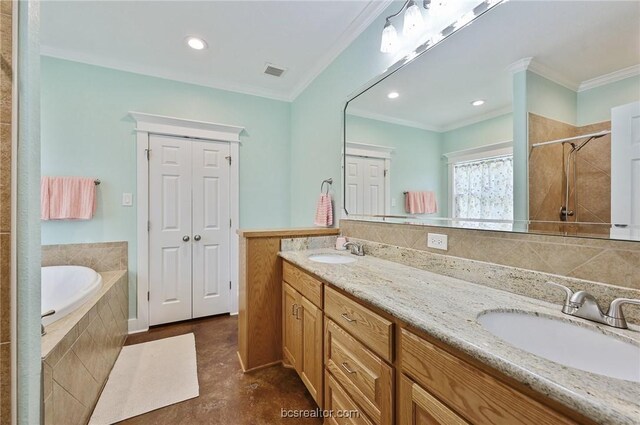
(86, 131)
(317, 118)
(415, 162)
(595, 105)
(550, 99)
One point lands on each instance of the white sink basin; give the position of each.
(332, 259)
(566, 343)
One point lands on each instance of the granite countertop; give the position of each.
(447, 308)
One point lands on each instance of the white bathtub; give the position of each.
(65, 288)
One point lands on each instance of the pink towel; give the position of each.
(67, 198)
(324, 211)
(420, 203)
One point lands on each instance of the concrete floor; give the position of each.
(227, 396)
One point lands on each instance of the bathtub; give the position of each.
(65, 288)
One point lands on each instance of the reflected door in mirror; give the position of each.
(366, 188)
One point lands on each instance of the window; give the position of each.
(483, 188)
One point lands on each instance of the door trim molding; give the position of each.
(147, 125)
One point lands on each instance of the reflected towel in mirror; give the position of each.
(420, 202)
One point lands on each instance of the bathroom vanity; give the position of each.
(403, 345)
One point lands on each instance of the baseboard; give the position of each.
(134, 328)
(264, 366)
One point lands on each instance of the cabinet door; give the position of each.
(311, 366)
(418, 407)
(292, 326)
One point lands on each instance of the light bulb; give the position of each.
(389, 42)
(393, 95)
(412, 19)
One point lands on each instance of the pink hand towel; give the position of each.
(69, 198)
(324, 211)
(420, 203)
(44, 198)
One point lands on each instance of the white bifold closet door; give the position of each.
(189, 229)
(365, 185)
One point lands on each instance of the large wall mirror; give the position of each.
(528, 119)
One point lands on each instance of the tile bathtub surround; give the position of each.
(100, 256)
(301, 244)
(6, 117)
(600, 260)
(77, 366)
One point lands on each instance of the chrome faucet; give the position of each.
(355, 247)
(48, 313)
(584, 305)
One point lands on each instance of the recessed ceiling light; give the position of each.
(393, 95)
(196, 43)
(478, 102)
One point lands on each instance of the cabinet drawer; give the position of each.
(471, 392)
(370, 328)
(343, 409)
(303, 282)
(364, 375)
(418, 407)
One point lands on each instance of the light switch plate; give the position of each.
(127, 199)
(437, 241)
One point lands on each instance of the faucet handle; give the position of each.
(567, 291)
(615, 311)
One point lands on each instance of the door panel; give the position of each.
(366, 188)
(170, 218)
(292, 326)
(312, 359)
(211, 277)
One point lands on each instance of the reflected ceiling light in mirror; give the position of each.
(389, 43)
(196, 43)
(393, 95)
(413, 22)
(478, 102)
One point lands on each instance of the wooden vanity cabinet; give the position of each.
(418, 407)
(302, 328)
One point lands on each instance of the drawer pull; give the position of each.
(294, 310)
(298, 311)
(345, 366)
(347, 318)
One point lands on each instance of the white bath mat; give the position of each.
(147, 377)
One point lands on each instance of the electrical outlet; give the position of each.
(437, 241)
(127, 199)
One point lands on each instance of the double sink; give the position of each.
(576, 344)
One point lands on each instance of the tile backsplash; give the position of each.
(101, 256)
(518, 263)
(601, 260)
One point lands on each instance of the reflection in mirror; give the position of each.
(527, 119)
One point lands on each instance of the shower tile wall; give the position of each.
(6, 102)
(547, 182)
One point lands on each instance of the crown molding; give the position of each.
(530, 64)
(369, 14)
(150, 71)
(478, 118)
(632, 71)
(391, 120)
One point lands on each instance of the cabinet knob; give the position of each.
(185, 238)
(197, 238)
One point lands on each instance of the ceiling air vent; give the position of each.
(274, 70)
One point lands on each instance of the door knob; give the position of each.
(185, 238)
(197, 238)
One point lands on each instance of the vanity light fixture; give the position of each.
(413, 22)
(389, 42)
(393, 95)
(196, 43)
(478, 102)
